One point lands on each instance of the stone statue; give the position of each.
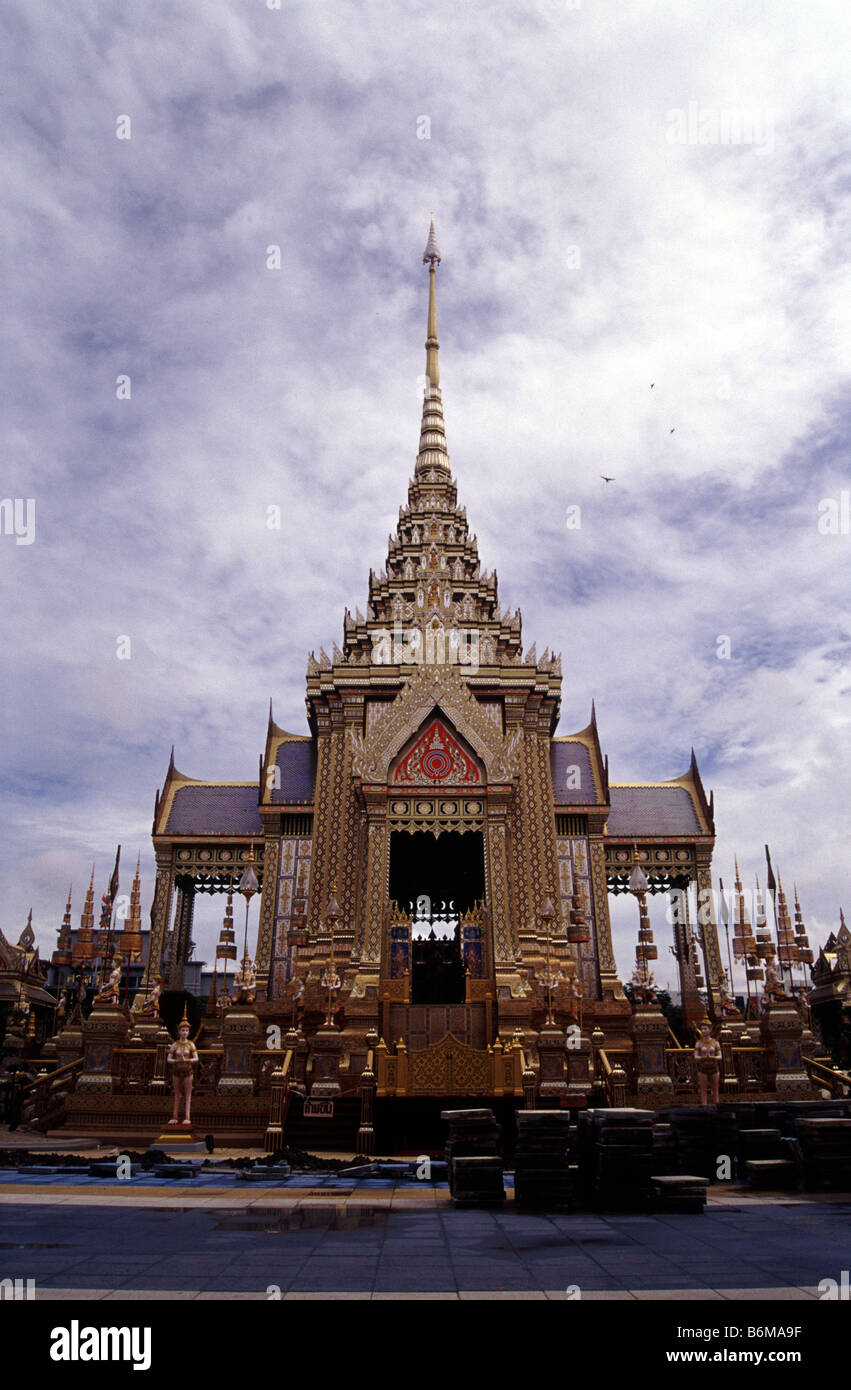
(182, 1057)
(151, 1006)
(111, 991)
(707, 1055)
(643, 987)
(245, 982)
(727, 1006)
(773, 988)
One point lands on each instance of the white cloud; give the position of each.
(717, 272)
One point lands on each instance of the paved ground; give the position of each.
(377, 1241)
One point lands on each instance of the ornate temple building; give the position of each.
(468, 849)
(425, 880)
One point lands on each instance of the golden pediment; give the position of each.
(432, 688)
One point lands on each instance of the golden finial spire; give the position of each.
(88, 915)
(431, 257)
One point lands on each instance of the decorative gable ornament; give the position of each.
(437, 759)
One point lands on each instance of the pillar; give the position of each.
(182, 936)
(708, 930)
(268, 901)
(160, 913)
(610, 984)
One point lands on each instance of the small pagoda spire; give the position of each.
(744, 941)
(84, 945)
(62, 955)
(802, 941)
(130, 938)
(786, 948)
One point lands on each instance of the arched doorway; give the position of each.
(437, 878)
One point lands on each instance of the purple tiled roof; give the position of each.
(652, 811)
(563, 758)
(214, 810)
(297, 762)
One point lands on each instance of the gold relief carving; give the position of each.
(709, 932)
(547, 807)
(449, 1067)
(395, 991)
(323, 802)
(605, 951)
(374, 914)
(434, 815)
(267, 907)
(503, 946)
(160, 915)
(430, 687)
(477, 990)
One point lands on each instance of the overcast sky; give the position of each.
(624, 193)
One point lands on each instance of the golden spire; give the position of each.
(87, 918)
(431, 256)
(62, 954)
(130, 938)
(432, 468)
(84, 945)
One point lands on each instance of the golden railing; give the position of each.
(450, 1067)
(823, 1075)
(36, 1096)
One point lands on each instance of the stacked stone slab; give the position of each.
(616, 1157)
(472, 1157)
(765, 1160)
(541, 1161)
(825, 1149)
(664, 1150)
(704, 1135)
(678, 1192)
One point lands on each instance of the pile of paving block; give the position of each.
(678, 1192)
(765, 1158)
(664, 1149)
(702, 1135)
(616, 1157)
(472, 1158)
(824, 1148)
(542, 1175)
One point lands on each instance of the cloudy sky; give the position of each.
(625, 194)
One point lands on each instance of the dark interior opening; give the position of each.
(449, 870)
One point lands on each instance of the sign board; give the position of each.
(318, 1109)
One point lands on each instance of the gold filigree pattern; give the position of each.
(432, 687)
(449, 1067)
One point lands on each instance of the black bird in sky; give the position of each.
(605, 479)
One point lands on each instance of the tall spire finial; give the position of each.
(431, 257)
(431, 252)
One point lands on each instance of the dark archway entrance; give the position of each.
(448, 872)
